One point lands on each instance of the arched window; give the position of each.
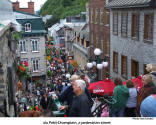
(27, 27)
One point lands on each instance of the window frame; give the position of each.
(101, 16)
(107, 20)
(27, 27)
(124, 29)
(115, 62)
(35, 65)
(96, 15)
(146, 28)
(124, 60)
(35, 46)
(135, 26)
(115, 32)
(23, 60)
(22, 47)
(91, 15)
(134, 69)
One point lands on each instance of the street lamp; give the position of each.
(68, 75)
(97, 61)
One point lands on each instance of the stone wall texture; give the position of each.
(140, 51)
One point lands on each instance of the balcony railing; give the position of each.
(81, 48)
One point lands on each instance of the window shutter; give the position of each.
(146, 26)
(122, 65)
(113, 61)
(133, 25)
(124, 23)
(152, 25)
(132, 68)
(115, 23)
(126, 66)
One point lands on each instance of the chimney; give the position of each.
(16, 5)
(31, 7)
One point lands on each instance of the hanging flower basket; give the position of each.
(22, 70)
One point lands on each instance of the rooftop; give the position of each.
(130, 3)
(37, 25)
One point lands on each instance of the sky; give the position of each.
(38, 3)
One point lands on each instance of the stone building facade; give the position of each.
(133, 39)
(80, 46)
(8, 65)
(8, 60)
(99, 32)
(32, 47)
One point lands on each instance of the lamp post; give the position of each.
(97, 61)
(67, 78)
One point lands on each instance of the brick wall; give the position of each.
(100, 31)
(30, 8)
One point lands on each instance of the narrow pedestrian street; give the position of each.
(78, 58)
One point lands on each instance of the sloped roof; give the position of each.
(37, 25)
(26, 13)
(83, 32)
(129, 3)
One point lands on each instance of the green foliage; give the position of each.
(61, 9)
(16, 35)
(48, 52)
(49, 73)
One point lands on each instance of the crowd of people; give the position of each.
(131, 102)
(75, 100)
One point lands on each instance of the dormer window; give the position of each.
(27, 27)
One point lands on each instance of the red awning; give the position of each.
(102, 87)
(137, 82)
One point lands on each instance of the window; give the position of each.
(115, 23)
(135, 26)
(82, 42)
(124, 66)
(35, 65)
(87, 43)
(92, 38)
(22, 45)
(107, 18)
(97, 42)
(102, 43)
(148, 27)
(107, 46)
(91, 15)
(23, 60)
(27, 27)
(35, 45)
(134, 68)
(96, 16)
(115, 62)
(101, 17)
(124, 22)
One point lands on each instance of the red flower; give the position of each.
(26, 64)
